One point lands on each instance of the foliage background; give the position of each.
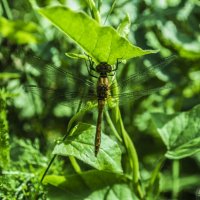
(170, 26)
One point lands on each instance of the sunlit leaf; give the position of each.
(81, 145)
(100, 42)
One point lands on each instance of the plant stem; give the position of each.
(175, 176)
(154, 176)
(7, 9)
(73, 160)
(94, 11)
(111, 125)
(131, 152)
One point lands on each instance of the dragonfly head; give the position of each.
(103, 68)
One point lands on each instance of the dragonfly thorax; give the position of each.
(103, 68)
(102, 88)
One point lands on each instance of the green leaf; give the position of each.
(124, 28)
(80, 144)
(84, 187)
(20, 32)
(83, 184)
(180, 132)
(115, 192)
(8, 75)
(100, 42)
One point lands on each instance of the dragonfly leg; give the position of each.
(90, 67)
(117, 64)
(113, 74)
(91, 63)
(116, 67)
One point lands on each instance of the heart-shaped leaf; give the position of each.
(80, 144)
(102, 43)
(180, 132)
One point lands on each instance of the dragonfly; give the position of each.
(101, 92)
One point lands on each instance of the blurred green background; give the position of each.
(34, 124)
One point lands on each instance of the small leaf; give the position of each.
(180, 132)
(80, 144)
(124, 28)
(85, 183)
(103, 43)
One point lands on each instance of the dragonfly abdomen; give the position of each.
(101, 104)
(102, 88)
(102, 94)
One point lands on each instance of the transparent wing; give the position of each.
(57, 84)
(53, 71)
(142, 76)
(61, 95)
(132, 96)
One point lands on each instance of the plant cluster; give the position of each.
(149, 148)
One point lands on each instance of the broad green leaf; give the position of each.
(103, 43)
(85, 183)
(80, 144)
(19, 31)
(180, 132)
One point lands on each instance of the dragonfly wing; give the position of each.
(144, 75)
(126, 97)
(57, 84)
(61, 95)
(51, 71)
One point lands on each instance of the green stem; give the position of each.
(110, 11)
(7, 9)
(69, 127)
(94, 11)
(154, 176)
(175, 176)
(111, 125)
(75, 164)
(131, 152)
